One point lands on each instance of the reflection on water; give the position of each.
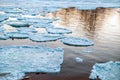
(101, 25)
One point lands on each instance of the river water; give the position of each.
(102, 25)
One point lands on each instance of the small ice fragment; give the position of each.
(106, 71)
(78, 59)
(45, 37)
(54, 30)
(17, 35)
(77, 41)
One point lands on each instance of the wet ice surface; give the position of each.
(54, 30)
(17, 60)
(17, 35)
(3, 17)
(106, 71)
(77, 41)
(45, 37)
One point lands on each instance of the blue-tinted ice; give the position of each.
(106, 71)
(26, 30)
(17, 60)
(77, 41)
(45, 37)
(18, 24)
(17, 35)
(3, 17)
(3, 37)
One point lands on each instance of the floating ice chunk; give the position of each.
(26, 30)
(3, 37)
(38, 20)
(58, 30)
(8, 28)
(106, 71)
(17, 60)
(18, 24)
(17, 35)
(2, 29)
(3, 17)
(78, 59)
(77, 41)
(45, 37)
(41, 25)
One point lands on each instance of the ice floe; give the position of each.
(17, 60)
(77, 41)
(2, 29)
(78, 59)
(8, 28)
(17, 35)
(18, 24)
(54, 30)
(26, 30)
(3, 17)
(45, 37)
(106, 71)
(3, 37)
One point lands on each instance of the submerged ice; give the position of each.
(77, 41)
(106, 71)
(16, 60)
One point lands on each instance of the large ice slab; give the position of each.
(3, 17)
(54, 30)
(17, 35)
(77, 41)
(106, 71)
(17, 60)
(18, 24)
(45, 37)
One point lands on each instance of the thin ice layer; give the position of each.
(45, 37)
(29, 59)
(58, 30)
(77, 41)
(106, 71)
(17, 35)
